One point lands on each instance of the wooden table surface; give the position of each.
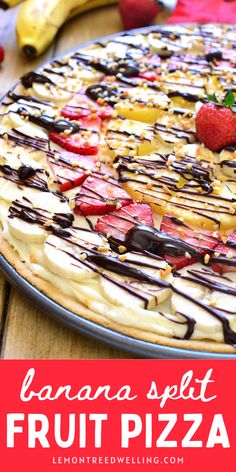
(25, 332)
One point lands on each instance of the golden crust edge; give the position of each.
(66, 302)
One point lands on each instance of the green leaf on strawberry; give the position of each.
(229, 99)
(227, 102)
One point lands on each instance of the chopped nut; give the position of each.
(122, 258)
(122, 249)
(83, 256)
(103, 248)
(72, 204)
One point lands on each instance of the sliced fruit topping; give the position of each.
(85, 141)
(32, 77)
(121, 288)
(149, 67)
(82, 106)
(100, 194)
(124, 136)
(105, 92)
(224, 258)
(69, 253)
(117, 223)
(202, 241)
(216, 122)
(71, 169)
(124, 66)
(207, 299)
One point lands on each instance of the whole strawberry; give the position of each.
(216, 123)
(137, 13)
(2, 54)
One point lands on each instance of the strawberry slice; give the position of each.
(100, 194)
(203, 241)
(70, 169)
(224, 258)
(149, 75)
(152, 63)
(117, 223)
(82, 106)
(85, 141)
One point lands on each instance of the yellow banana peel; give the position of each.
(39, 21)
(5, 4)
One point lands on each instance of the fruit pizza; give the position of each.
(118, 184)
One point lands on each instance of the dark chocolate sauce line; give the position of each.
(191, 323)
(122, 268)
(49, 123)
(229, 334)
(25, 143)
(26, 176)
(39, 216)
(94, 268)
(202, 279)
(28, 98)
(142, 237)
(29, 78)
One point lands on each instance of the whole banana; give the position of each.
(39, 21)
(5, 4)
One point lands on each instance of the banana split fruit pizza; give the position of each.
(118, 184)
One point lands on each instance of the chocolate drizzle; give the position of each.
(49, 123)
(27, 176)
(125, 66)
(145, 238)
(121, 268)
(187, 96)
(103, 91)
(39, 216)
(33, 77)
(214, 55)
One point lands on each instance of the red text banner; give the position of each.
(140, 415)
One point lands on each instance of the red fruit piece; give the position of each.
(99, 195)
(85, 141)
(202, 240)
(154, 61)
(222, 263)
(137, 13)
(2, 54)
(82, 106)
(120, 221)
(149, 75)
(216, 126)
(70, 169)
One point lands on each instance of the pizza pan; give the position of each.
(139, 348)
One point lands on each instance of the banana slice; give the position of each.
(26, 231)
(31, 107)
(67, 256)
(16, 155)
(209, 291)
(51, 93)
(162, 46)
(121, 290)
(25, 127)
(227, 164)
